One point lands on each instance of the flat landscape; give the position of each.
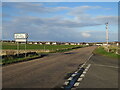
(13, 46)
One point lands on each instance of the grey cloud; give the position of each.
(48, 30)
(104, 19)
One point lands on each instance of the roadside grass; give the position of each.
(13, 60)
(101, 51)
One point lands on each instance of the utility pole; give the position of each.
(107, 37)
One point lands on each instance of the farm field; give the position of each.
(13, 46)
(11, 49)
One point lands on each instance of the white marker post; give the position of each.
(17, 48)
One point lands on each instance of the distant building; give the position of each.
(54, 43)
(35, 42)
(98, 44)
(67, 43)
(30, 42)
(40, 43)
(48, 43)
(117, 43)
(87, 44)
(78, 43)
(72, 43)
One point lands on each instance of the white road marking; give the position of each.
(66, 83)
(70, 78)
(76, 72)
(84, 72)
(88, 58)
(76, 84)
(88, 66)
(105, 65)
(79, 79)
(82, 75)
(86, 69)
(73, 75)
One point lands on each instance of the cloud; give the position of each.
(85, 34)
(104, 19)
(55, 27)
(33, 7)
(77, 11)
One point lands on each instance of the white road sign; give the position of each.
(20, 35)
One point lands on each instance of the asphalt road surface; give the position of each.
(46, 72)
(103, 73)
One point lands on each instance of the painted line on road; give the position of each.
(88, 59)
(66, 83)
(80, 79)
(73, 75)
(69, 79)
(76, 78)
(76, 84)
(81, 76)
(105, 66)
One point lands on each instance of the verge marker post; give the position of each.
(17, 48)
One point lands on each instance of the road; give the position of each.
(46, 72)
(103, 73)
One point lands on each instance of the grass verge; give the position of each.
(15, 60)
(101, 51)
(10, 60)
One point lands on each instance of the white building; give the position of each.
(48, 43)
(54, 43)
(87, 43)
(72, 43)
(66, 43)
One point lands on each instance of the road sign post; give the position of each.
(17, 48)
(25, 49)
(21, 37)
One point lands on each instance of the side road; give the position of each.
(103, 73)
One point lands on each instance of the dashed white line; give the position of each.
(86, 69)
(66, 83)
(82, 75)
(76, 84)
(79, 79)
(70, 78)
(84, 72)
(88, 58)
(74, 75)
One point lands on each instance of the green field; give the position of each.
(52, 48)
(101, 51)
(13, 46)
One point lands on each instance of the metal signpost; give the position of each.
(21, 37)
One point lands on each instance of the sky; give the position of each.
(60, 21)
